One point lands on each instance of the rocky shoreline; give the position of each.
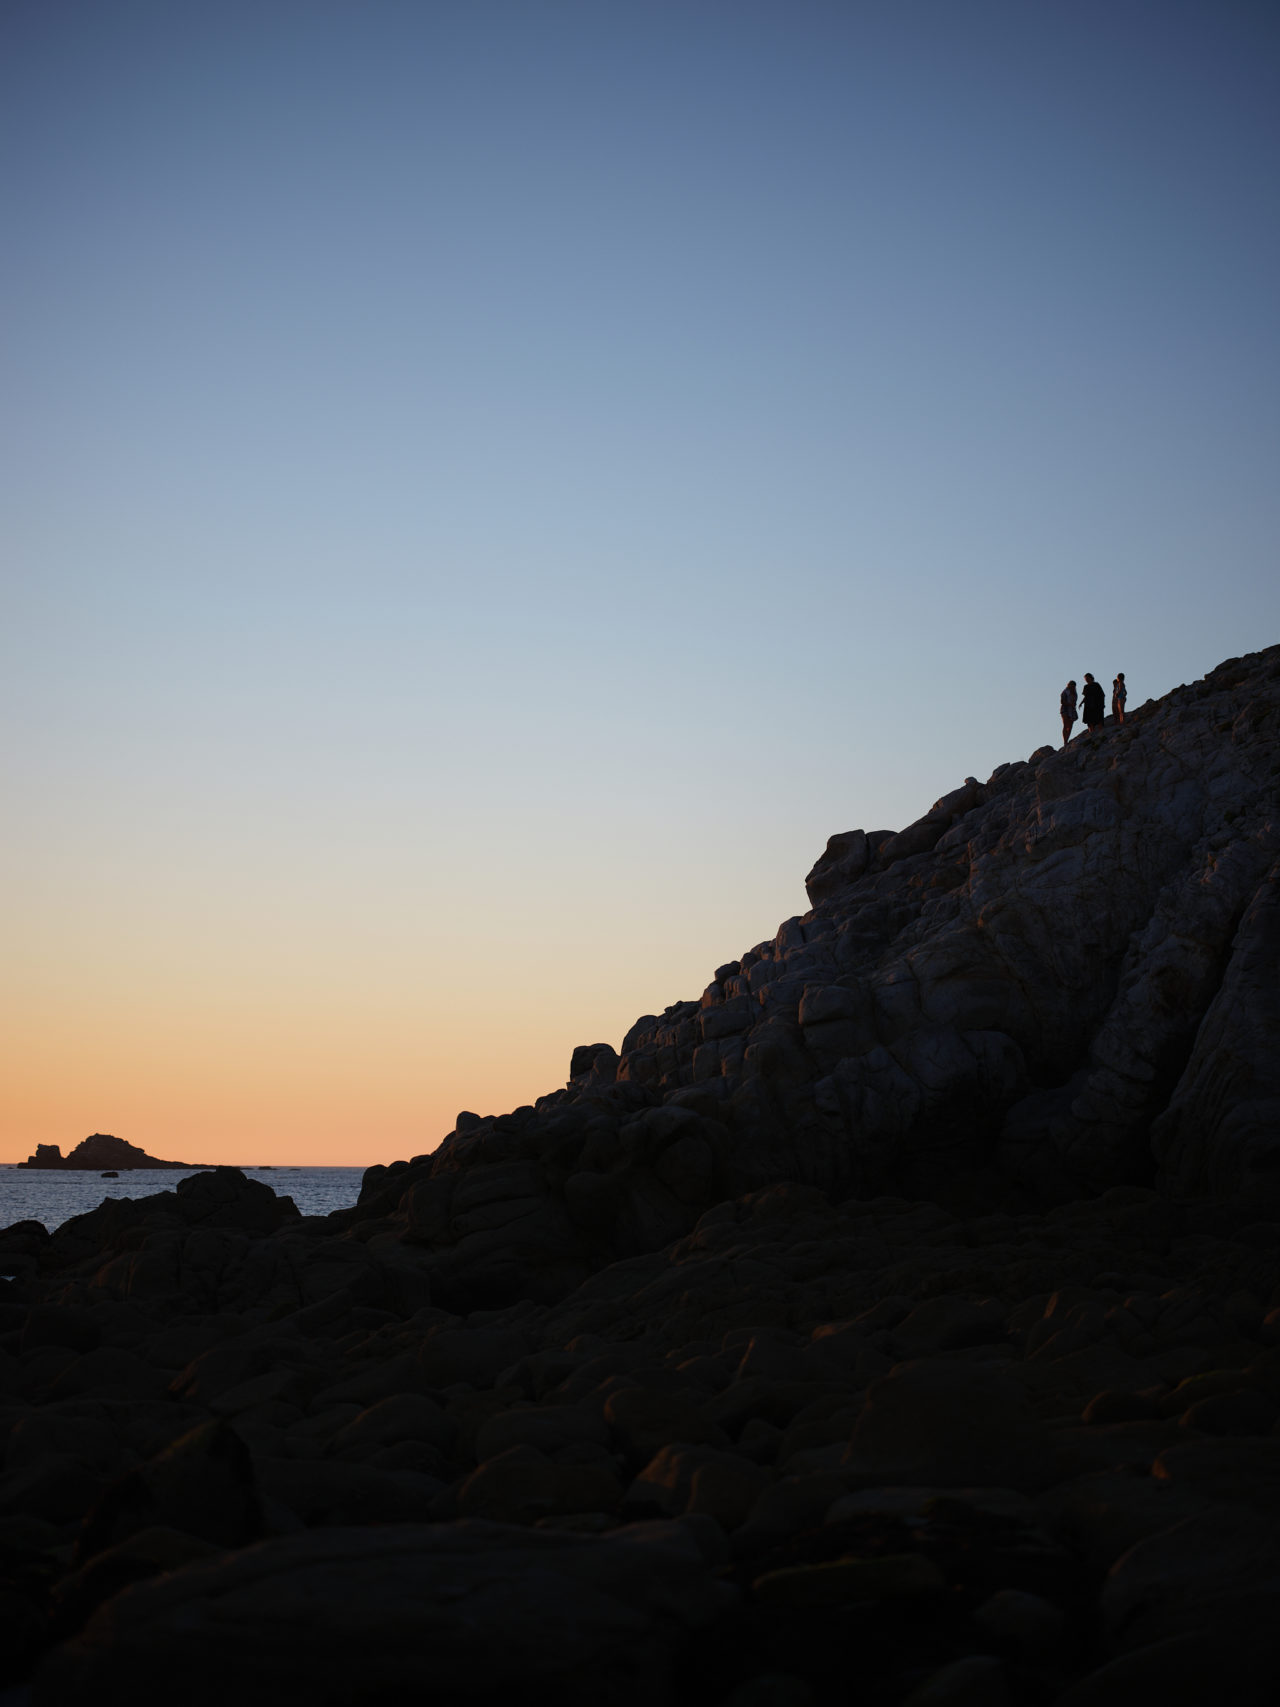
(900, 1322)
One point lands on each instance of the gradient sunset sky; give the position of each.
(490, 488)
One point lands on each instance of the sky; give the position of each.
(488, 488)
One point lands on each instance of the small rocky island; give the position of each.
(896, 1323)
(98, 1151)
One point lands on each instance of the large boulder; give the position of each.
(482, 1610)
(949, 1424)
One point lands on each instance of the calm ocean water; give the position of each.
(40, 1194)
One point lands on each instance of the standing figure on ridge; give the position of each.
(1094, 704)
(1067, 700)
(1119, 693)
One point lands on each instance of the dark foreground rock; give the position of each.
(711, 1387)
(485, 1610)
(807, 1442)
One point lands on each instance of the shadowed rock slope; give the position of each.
(1056, 981)
(900, 1321)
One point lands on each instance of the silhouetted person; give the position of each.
(1119, 693)
(1094, 704)
(1067, 700)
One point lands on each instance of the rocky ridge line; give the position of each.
(1055, 981)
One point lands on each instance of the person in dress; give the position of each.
(1094, 705)
(1119, 693)
(1067, 700)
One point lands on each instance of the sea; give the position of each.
(52, 1196)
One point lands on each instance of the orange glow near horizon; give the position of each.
(321, 1085)
(320, 1082)
(266, 1028)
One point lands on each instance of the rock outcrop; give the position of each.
(1056, 981)
(905, 1310)
(98, 1152)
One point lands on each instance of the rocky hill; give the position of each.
(1056, 981)
(902, 1316)
(100, 1150)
